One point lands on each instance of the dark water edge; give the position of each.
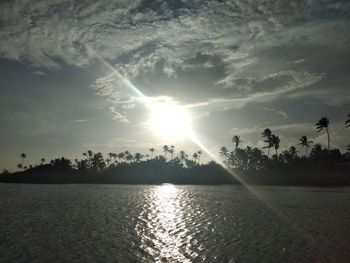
(326, 178)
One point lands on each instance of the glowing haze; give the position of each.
(169, 120)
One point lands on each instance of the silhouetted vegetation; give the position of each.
(251, 165)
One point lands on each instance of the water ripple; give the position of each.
(168, 223)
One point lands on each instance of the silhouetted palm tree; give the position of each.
(236, 140)
(172, 151)
(183, 156)
(23, 156)
(223, 152)
(121, 156)
(275, 140)
(323, 124)
(43, 161)
(129, 157)
(267, 134)
(165, 150)
(305, 143)
(199, 155)
(317, 148)
(112, 155)
(348, 122)
(195, 157)
(152, 150)
(19, 166)
(97, 162)
(293, 152)
(138, 157)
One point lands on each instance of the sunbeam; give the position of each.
(157, 124)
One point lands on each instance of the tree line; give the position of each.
(253, 164)
(96, 162)
(238, 157)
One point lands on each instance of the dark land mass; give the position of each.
(301, 171)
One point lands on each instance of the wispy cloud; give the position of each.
(121, 117)
(298, 61)
(39, 73)
(273, 84)
(78, 121)
(110, 87)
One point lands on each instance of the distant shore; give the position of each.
(206, 174)
(249, 165)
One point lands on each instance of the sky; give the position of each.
(72, 73)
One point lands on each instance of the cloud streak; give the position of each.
(279, 82)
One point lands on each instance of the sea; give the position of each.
(173, 223)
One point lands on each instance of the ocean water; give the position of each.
(167, 223)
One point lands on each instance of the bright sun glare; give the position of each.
(169, 120)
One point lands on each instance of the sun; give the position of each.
(169, 120)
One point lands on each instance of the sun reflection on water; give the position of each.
(163, 235)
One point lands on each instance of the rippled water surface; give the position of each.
(166, 223)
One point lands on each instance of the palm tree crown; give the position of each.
(138, 157)
(152, 150)
(165, 150)
(195, 156)
(183, 155)
(172, 151)
(199, 155)
(23, 156)
(275, 141)
(323, 124)
(267, 133)
(223, 151)
(121, 156)
(236, 140)
(348, 122)
(305, 143)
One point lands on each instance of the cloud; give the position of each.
(109, 86)
(273, 84)
(39, 73)
(192, 51)
(78, 121)
(298, 61)
(121, 117)
(339, 101)
(278, 112)
(136, 35)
